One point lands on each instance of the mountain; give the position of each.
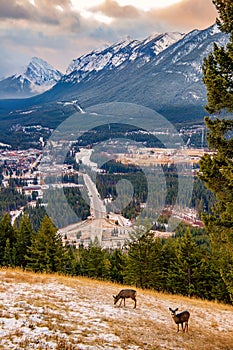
(169, 82)
(119, 55)
(36, 78)
(163, 72)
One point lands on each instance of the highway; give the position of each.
(97, 207)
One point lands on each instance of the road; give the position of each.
(97, 207)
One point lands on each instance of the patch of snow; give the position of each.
(215, 30)
(27, 112)
(4, 144)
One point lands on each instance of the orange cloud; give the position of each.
(187, 15)
(112, 9)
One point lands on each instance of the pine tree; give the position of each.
(225, 10)
(95, 261)
(144, 264)
(217, 170)
(218, 66)
(117, 261)
(7, 236)
(7, 259)
(24, 234)
(46, 253)
(186, 267)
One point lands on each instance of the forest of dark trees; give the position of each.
(184, 264)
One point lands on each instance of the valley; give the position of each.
(105, 220)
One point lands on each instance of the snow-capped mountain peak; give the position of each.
(163, 41)
(36, 78)
(119, 54)
(163, 71)
(40, 72)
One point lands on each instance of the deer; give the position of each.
(182, 317)
(126, 293)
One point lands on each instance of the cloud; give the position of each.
(112, 9)
(186, 15)
(51, 13)
(59, 16)
(183, 16)
(12, 9)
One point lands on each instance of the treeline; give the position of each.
(77, 208)
(184, 264)
(117, 131)
(67, 205)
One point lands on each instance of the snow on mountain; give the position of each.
(163, 72)
(119, 55)
(40, 73)
(183, 61)
(37, 77)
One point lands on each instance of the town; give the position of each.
(29, 169)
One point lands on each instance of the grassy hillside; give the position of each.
(40, 311)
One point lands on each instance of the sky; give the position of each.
(59, 31)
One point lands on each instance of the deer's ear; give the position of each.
(176, 309)
(114, 297)
(170, 309)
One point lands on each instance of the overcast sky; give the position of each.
(61, 30)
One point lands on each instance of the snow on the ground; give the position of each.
(52, 312)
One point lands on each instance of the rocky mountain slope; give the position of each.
(169, 81)
(39, 311)
(118, 56)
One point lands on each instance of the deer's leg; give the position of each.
(124, 302)
(186, 326)
(120, 302)
(135, 302)
(178, 328)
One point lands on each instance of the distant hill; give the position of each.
(40, 311)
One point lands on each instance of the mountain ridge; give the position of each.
(177, 69)
(117, 55)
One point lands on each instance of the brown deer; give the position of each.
(126, 293)
(182, 317)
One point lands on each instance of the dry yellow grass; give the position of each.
(45, 311)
